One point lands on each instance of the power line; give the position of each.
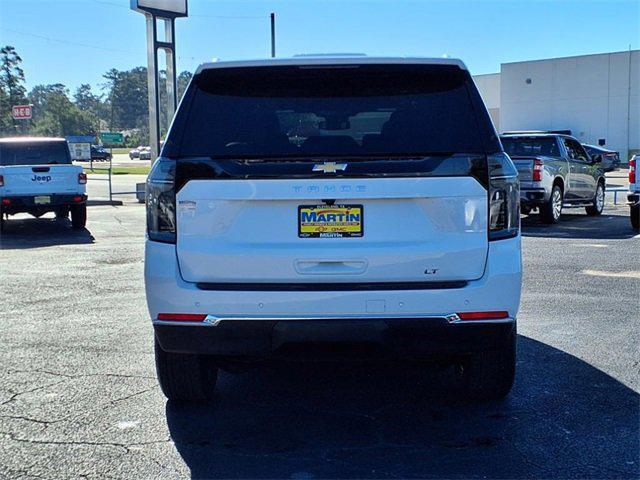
(80, 44)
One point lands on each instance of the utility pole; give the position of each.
(273, 35)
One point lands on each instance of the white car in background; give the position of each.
(390, 231)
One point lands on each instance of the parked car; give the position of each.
(555, 172)
(145, 153)
(99, 153)
(37, 176)
(135, 153)
(391, 231)
(634, 193)
(610, 158)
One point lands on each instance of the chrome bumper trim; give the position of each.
(213, 320)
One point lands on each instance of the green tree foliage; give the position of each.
(12, 90)
(54, 114)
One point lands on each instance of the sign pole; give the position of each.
(167, 11)
(152, 84)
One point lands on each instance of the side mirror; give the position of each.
(596, 158)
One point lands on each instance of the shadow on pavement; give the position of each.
(23, 233)
(578, 225)
(564, 419)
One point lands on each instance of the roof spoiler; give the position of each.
(521, 132)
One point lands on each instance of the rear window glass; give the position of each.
(330, 111)
(530, 146)
(34, 153)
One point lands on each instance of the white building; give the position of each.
(594, 96)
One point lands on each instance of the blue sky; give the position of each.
(76, 41)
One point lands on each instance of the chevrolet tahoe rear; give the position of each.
(321, 207)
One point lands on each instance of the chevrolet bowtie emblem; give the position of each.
(329, 167)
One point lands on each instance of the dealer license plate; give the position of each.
(330, 221)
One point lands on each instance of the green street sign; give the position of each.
(111, 138)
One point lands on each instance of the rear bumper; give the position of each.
(405, 322)
(27, 203)
(533, 197)
(300, 339)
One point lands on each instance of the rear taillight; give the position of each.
(538, 165)
(492, 315)
(82, 178)
(504, 197)
(632, 170)
(6, 201)
(161, 201)
(182, 317)
(1, 181)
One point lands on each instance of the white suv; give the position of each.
(333, 208)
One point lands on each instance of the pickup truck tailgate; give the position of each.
(41, 179)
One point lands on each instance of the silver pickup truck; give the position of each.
(555, 172)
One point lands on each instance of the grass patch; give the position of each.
(120, 150)
(142, 170)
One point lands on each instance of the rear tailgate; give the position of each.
(419, 229)
(525, 167)
(41, 179)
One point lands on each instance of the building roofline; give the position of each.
(570, 56)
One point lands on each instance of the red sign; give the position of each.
(21, 112)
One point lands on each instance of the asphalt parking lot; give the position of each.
(79, 399)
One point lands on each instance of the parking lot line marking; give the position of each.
(601, 273)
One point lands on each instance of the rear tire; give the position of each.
(598, 202)
(635, 217)
(489, 375)
(78, 216)
(525, 210)
(1, 220)
(62, 213)
(551, 211)
(185, 377)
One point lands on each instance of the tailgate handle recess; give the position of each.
(330, 267)
(40, 169)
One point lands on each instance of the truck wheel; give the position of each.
(78, 216)
(62, 213)
(489, 375)
(525, 210)
(184, 376)
(598, 202)
(1, 220)
(550, 212)
(635, 216)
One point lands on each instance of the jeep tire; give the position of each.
(78, 216)
(635, 216)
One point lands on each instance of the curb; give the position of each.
(95, 203)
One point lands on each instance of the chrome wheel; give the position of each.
(556, 202)
(600, 198)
